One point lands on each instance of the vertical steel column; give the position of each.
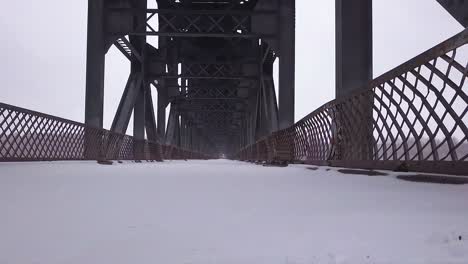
(95, 63)
(138, 67)
(178, 141)
(287, 35)
(139, 117)
(150, 119)
(354, 66)
(353, 45)
(183, 132)
(190, 137)
(162, 104)
(139, 120)
(173, 127)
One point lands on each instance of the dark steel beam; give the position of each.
(162, 104)
(138, 45)
(287, 55)
(210, 98)
(150, 118)
(127, 103)
(173, 127)
(458, 9)
(191, 11)
(194, 35)
(155, 77)
(95, 62)
(354, 64)
(139, 114)
(194, 23)
(270, 105)
(209, 111)
(127, 49)
(123, 49)
(353, 45)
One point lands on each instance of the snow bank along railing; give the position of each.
(27, 135)
(413, 118)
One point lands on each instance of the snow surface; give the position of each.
(224, 212)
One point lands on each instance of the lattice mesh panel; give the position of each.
(416, 112)
(27, 135)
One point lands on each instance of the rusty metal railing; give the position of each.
(27, 135)
(411, 118)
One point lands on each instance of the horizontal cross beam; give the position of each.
(195, 23)
(154, 77)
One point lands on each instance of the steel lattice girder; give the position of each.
(192, 23)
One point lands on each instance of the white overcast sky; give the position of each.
(44, 46)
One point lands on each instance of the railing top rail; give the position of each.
(41, 114)
(413, 117)
(28, 135)
(61, 119)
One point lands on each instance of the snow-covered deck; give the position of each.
(224, 212)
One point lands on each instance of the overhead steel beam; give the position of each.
(155, 77)
(210, 99)
(194, 23)
(195, 35)
(458, 9)
(209, 111)
(152, 11)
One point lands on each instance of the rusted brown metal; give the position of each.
(27, 135)
(419, 120)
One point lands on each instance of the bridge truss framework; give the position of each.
(214, 66)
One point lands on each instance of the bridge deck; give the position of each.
(224, 212)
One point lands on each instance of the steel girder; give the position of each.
(191, 23)
(458, 9)
(127, 103)
(209, 66)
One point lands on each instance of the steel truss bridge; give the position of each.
(213, 67)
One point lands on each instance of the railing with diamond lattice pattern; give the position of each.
(27, 135)
(413, 118)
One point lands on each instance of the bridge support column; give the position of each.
(287, 54)
(139, 116)
(183, 132)
(173, 128)
(95, 63)
(138, 67)
(150, 118)
(162, 104)
(353, 45)
(354, 70)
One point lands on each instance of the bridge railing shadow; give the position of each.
(27, 135)
(413, 117)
